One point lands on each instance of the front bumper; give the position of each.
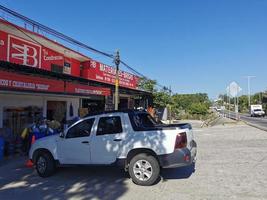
(179, 158)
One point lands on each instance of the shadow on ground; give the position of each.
(17, 181)
(178, 173)
(76, 182)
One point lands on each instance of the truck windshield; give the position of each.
(257, 110)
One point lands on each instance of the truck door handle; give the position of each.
(85, 142)
(117, 140)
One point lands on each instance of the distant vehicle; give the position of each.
(219, 109)
(256, 111)
(130, 139)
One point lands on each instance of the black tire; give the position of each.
(48, 162)
(155, 169)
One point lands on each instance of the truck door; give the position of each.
(74, 148)
(106, 142)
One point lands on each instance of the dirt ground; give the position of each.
(231, 164)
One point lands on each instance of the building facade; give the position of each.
(43, 78)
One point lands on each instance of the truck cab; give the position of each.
(256, 111)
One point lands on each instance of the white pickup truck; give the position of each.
(131, 139)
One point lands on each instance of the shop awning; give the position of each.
(16, 68)
(22, 82)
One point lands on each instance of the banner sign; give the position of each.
(103, 73)
(20, 51)
(15, 81)
(9, 80)
(27, 52)
(86, 89)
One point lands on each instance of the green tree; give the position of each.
(198, 103)
(161, 99)
(147, 85)
(198, 108)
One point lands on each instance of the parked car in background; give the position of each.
(130, 139)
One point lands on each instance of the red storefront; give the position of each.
(39, 77)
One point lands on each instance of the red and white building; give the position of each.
(39, 76)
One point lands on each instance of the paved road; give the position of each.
(257, 121)
(231, 164)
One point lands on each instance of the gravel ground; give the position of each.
(231, 164)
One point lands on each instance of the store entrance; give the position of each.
(93, 105)
(56, 110)
(123, 104)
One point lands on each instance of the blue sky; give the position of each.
(190, 45)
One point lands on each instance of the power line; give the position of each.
(53, 32)
(67, 39)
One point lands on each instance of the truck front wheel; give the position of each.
(144, 169)
(45, 164)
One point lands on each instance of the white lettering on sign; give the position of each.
(50, 57)
(3, 82)
(2, 42)
(42, 87)
(107, 69)
(24, 54)
(93, 64)
(21, 84)
(25, 85)
(85, 91)
(111, 70)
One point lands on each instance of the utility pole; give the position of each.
(248, 78)
(117, 63)
(170, 93)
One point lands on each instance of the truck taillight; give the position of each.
(181, 141)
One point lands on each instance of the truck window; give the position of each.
(142, 120)
(82, 129)
(109, 125)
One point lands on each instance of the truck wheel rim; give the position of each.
(41, 164)
(142, 170)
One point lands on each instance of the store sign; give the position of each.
(20, 51)
(14, 81)
(23, 52)
(86, 90)
(103, 73)
(50, 57)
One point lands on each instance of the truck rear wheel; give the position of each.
(45, 164)
(144, 169)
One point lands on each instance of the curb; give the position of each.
(255, 126)
(250, 124)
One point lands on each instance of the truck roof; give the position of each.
(132, 111)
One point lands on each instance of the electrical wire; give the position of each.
(66, 39)
(53, 32)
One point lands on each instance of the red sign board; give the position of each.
(17, 50)
(23, 52)
(103, 73)
(86, 90)
(28, 52)
(10, 80)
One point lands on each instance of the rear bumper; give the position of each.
(179, 158)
